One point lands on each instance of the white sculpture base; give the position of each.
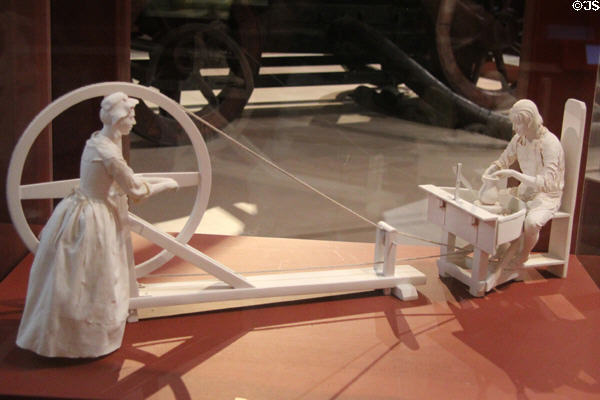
(233, 285)
(275, 285)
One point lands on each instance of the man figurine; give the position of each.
(541, 159)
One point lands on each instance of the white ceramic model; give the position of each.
(489, 228)
(201, 179)
(490, 190)
(542, 161)
(395, 279)
(482, 229)
(78, 294)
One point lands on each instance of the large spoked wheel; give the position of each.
(58, 189)
(473, 41)
(203, 58)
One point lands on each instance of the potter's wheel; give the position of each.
(495, 208)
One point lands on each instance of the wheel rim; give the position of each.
(463, 47)
(68, 100)
(179, 60)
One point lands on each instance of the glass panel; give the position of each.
(588, 239)
(362, 102)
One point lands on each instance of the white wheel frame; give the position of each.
(57, 189)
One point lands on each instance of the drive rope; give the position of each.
(315, 267)
(301, 182)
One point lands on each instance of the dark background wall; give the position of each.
(48, 48)
(24, 91)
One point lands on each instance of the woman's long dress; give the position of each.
(78, 294)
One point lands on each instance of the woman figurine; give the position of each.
(542, 162)
(78, 295)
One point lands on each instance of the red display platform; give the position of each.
(531, 339)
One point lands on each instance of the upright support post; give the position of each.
(385, 249)
(478, 273)
(572, 138)
(385, 254)
(450, 245)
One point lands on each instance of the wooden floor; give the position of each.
(537, 339)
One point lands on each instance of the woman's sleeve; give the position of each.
(133, 186)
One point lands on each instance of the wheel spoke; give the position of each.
(499, 59)
(198, 81)
(476, 71)
(184, 179)
(185, 252)
(200, 52)
(47, 190)
(459, 43)
(477, 12)
(59, 189)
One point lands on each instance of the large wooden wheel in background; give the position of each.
(473, 41)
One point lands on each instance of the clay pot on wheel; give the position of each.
(488, 194)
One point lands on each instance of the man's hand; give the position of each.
(506, 173)
(490, 170)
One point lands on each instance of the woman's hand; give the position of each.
(168, 184)
(171, 184)
(158, 185)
